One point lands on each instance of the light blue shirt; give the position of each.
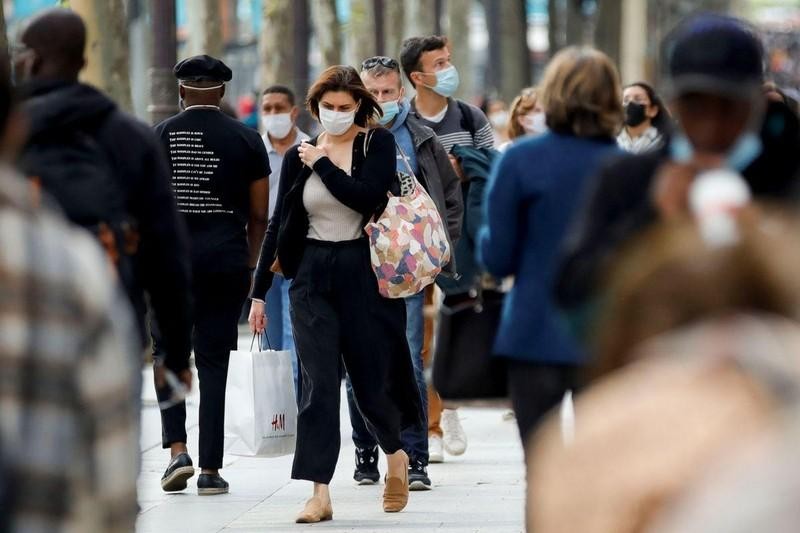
(275, 163)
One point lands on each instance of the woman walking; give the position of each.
(329, 188)
(528, 210)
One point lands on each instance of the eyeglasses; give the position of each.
(372, 62)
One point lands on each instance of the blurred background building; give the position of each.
(499, 46)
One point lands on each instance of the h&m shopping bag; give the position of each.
(260, 405)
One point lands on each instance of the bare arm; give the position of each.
(259, 207)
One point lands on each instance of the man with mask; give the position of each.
(417, 148)
(279, 123)
(220, 176)
(426, 63)
(714, 80)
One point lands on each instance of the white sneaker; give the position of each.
(455, 440)
(435, 451)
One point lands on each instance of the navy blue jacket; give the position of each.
(533, 193)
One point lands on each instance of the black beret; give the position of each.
(202, 68)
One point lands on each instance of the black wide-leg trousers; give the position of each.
(341, 322)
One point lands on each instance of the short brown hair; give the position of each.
(581, 94)
(523, 104)
(412, 49)
(344, 78)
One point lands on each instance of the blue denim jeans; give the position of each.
(279, 325)
(415, 439)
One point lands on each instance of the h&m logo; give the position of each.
(279, 423)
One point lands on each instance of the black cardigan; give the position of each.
(364, 190)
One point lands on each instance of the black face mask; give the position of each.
(634, 114)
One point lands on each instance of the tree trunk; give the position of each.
(419, 18)
(163, 89)
(276, 50)
(458, 13)
(394, 15)
(554, 31)
(379, 19)
(302, 30)
(107, 48)
(575, 23)
(3, 33)
(494, 62)
(328, 31)
(360, 31)
(516, 57)
(205, 28)
(608, 31)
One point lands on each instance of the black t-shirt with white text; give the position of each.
(214, 159)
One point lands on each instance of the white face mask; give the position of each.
(278, 126)
(535, 123)
(499, 119)
(336, 122)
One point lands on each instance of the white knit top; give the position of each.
(329, 219)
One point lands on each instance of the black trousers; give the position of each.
(535, 389)
(340, 321)
(217, 299)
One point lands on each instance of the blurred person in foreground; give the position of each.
(93, 158)
(697, 357)
(725, 121)
(69, 351)
(526, 117)
(528, 209)
(647, 121)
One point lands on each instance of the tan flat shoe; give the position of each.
(315, 512)
(395, 493)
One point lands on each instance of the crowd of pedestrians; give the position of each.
(642, 241)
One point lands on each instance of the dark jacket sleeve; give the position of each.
(499, 243)
(262, 279)
(451, 184)
(367, 191)
(164, 254)
(616, 208)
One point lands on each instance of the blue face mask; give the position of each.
(741, 155)
(390, 111)
(447, 81)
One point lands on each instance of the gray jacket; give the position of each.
(440, 180)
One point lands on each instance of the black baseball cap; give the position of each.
(202, 68)
(716, 54)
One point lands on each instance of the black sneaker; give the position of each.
(179, 470)
(210, 484)
(367, 466)
(418, 476)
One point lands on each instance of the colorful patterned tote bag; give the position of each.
(408, 241)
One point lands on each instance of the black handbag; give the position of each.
(463, 366)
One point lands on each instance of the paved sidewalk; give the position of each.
(481, 491)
